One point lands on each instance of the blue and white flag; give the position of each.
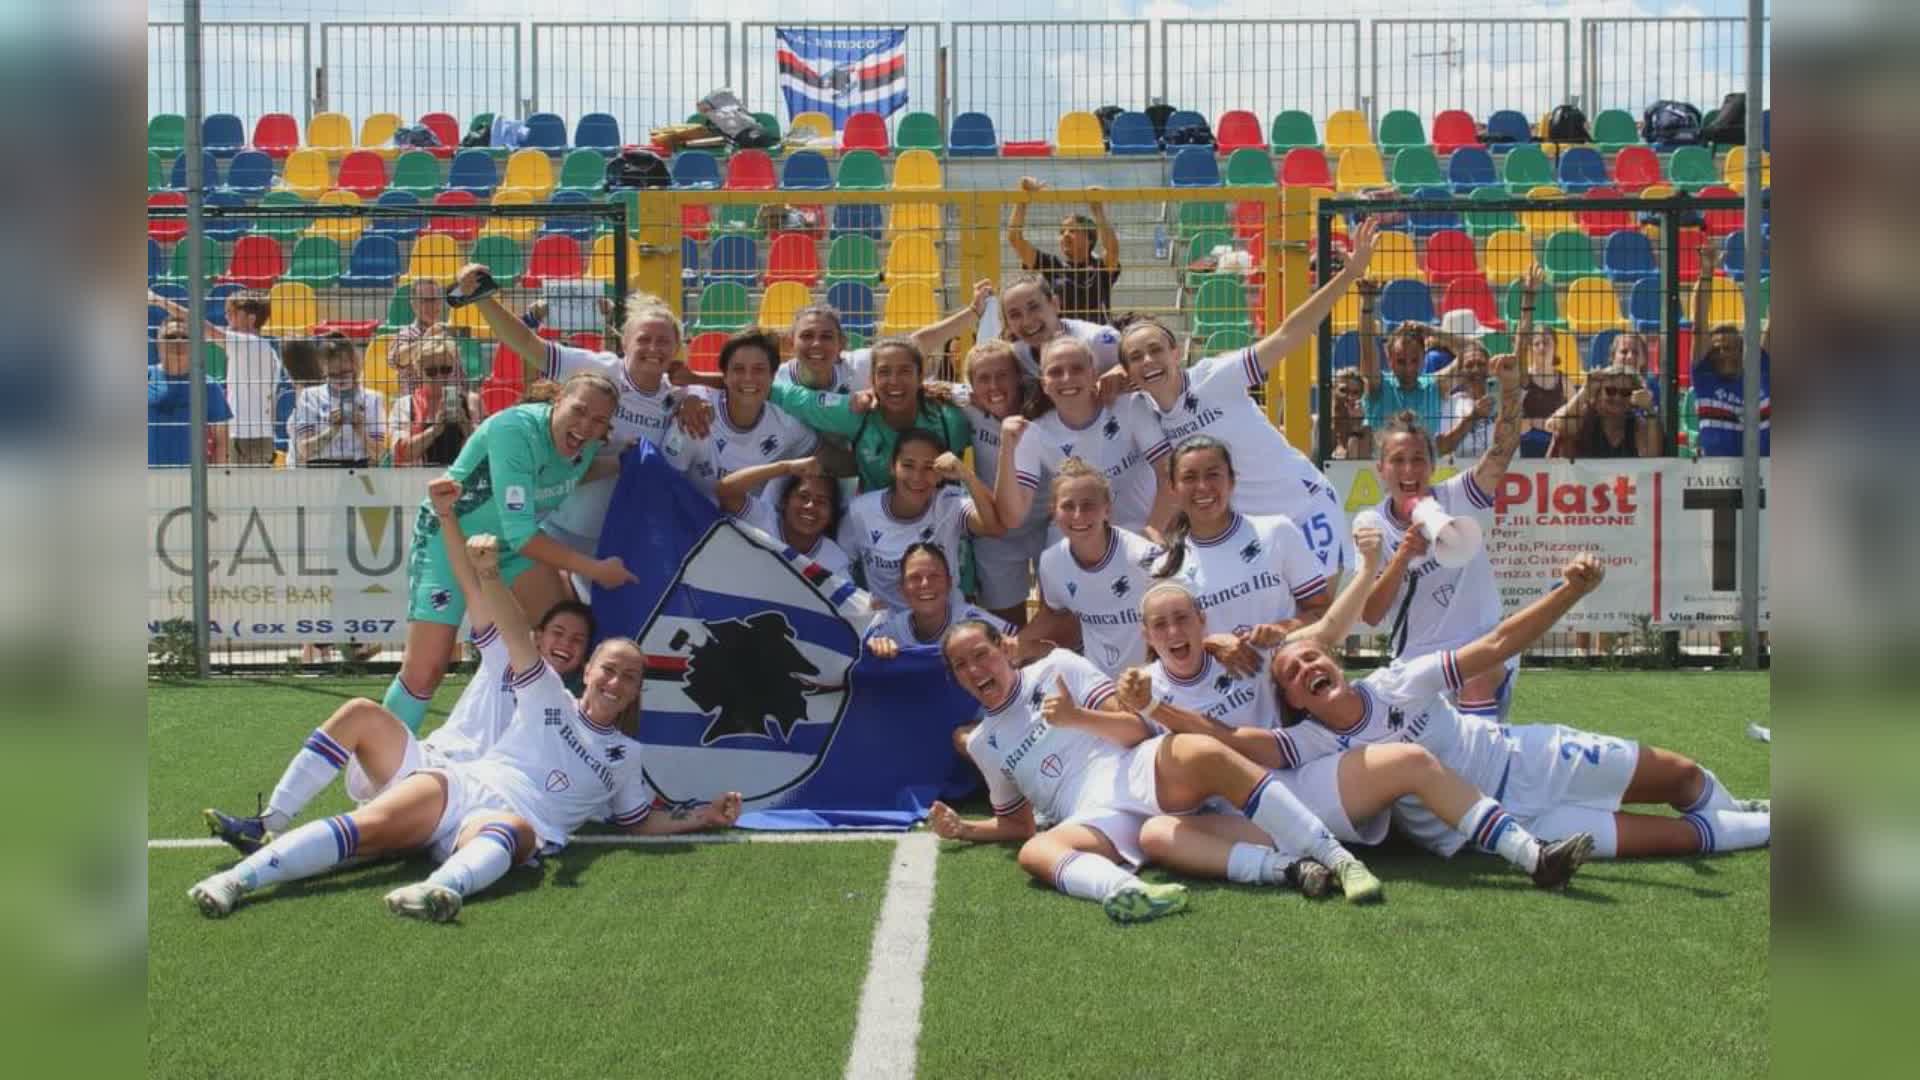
(756, 681)
(842, 72)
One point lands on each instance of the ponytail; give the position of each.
(1176, 555)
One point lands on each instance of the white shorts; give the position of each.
(1317, 786)
(418, 755)
(1004, 566)
(1117, 796)
(1557, 781)
(467, 795)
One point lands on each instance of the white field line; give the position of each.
(886, 1036)
(611, 840)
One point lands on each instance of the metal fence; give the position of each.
(1479, 65)
(1026, 74)
(927, 88)
(412, 68)
(643, 74)
(1630, 63)
(248, 68)
(1212, 65)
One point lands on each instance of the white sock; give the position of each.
(304, 852)
(1257, 864)
(484, 860)
(318, 761)
(1713, 795)
(1731, 830)
(1489, 827)
(1090, 877)
(1292, 826)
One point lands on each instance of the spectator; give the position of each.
(1719, 381)
(429, 308)
(302, 359)
(1408, 388)
(1083, 282)
(169, 404)
(339, 423)
(1468, 424)
(431, 422)
(1544, 391)
(1352, 438)
(1634, 351)
(253, 372)
(1611, 417)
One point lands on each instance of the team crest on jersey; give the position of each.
(1112, 653)
(1192, 402)
(719, 445)
(552, 718)
(1050, 766)
(1443, 595)
(1121, 587)
(1111, 429)
(440, 598)
(616, 752)
(515, 497)
(1251, 551)
(1073, 589)
(768, 445)
(558, 781)
(873, 535)
(1222, 684)
(746, 673)
(1039, 694)
(1396, 719)
(926, 533)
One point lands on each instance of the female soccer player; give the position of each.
(743, 430)
(1004, 565)
(899, 403)
(881, 525)
(1092, 579)
(1213, 398)
(562, 762)
(821, 360)
(800, 507)
(375, 746)
(933, 604)
(1187, 691)
(1050, 739)
(1433, 607)
(1556, 780)
(520, 464)
(1031, 313)
(1122, 440)
(1255, 575)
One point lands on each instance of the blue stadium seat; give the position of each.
(250, 173)
(156, 260)
(473, 171)
(1195, 166)
(733, 258)
(209, 172)
(689, 259)
(1600, 349)
(1736, 257)
(1405, 299)
(580, 227)
(973, 136)
(598, 131)
(693, 169)
(1645, 305)
(284, 398)
(175, 291)
(1582, 167)
(864, 218)
(222, 227)
(1132, 133)
(374, 263)
(1346, 350)
(1629, 257)
(1427, 223)
(806, 170)
(223, 135)
(545, 131)
(1186, 118)
(404, 229)
(854, 301)
(1513, 125)
(1469, 169)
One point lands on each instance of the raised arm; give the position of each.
(1300, 326)
(1337, 622)
(1109, 240)
(442, 493)
(515, 632)
(506, 326)
(1703, 299)
(984, 519)
(819, 410)
(735, 488)
(1565, 421)
(1492, 468)
(1384, 586)
(1369, 360)
(1017, 224)
(1582, 575)
(1530, 286)
(1015, 500)
(932, 339)
(213, 331)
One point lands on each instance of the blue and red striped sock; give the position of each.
(1488, 826)
(304, 852)
(318, 761)
(479, 863)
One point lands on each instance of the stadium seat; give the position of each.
(861, 170)
(403, 229)
(1187, 118)
(1472, 294)
(1615, 129)
(167, 133)
(1194, 166)
(1450, 254)
(546, 132)
(793, 257)
(276, 135)
(156, 261)
(1078, 134)
(331, 133)
(1602, 223)
(1239, 129)
(1305, 166)
(917, 170)
(1360, 169)
(1226, 341)
(446, 129)
(280, 227)
(1600, 350)
(1546, 311)
(553, 257)
(315, 262)
(806, 170)
(1293, 129)
(919, 131)
(583, 170)
(1507, 128)
(374, 263)
(250, 174)
(817, 125)
(695, 170)
(1026, 148)
(1636, 168)
(1567, 256)
(1592, 306)
(213, 257)
(1470, 169)
(1455, 130)
(295, 309)
(1506, 255)
(863, 219)
(724, 305)
(1249, 219)
(1691, 168)
(530, 170)
(222, 135)
(1132, 135)
(910, 305)
(579, 226)
(1734, 169)
(973, 136)
(1484, 223)
(1404, 300)
(1425, 223)
(505, 256)
(781, 301)
(703, 352)
(343, 230)
(1250, 167)
(1526, 167)
(1394, 257)
(1399, 129)
(376, 134)
(363, 173)
(1201, 245)
(733, 257)
(435, 257)
(473, 172)
(1416, 167)
(911, 257)
(905, 218)
(376, 367)
(600, 259)
(741, 218)
(865, 131)
(750, 170)
(1582, 168)
(220, 223)
(771, 125)
(1721, 223)
(1220, 303)
(156, 171)
(1193, 217)
(1646, 306)
(1734, 258)
(209, 172)
(1346, 129)
(853, 257)
(255, 262)
(1629, 257)
(599, 132)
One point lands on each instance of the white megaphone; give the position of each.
(1453, 540)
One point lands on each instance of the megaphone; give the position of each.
(1453, 540)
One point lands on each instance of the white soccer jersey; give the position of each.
(1256, 572)
(1122, 440)
(1103, 341)
(878, 541)
(1435, 607)
(1406, 702)
(986, 463)
(638, 414)
(896, 624)
(485, 709)
(775, 436)
(1270, 476)
(1233, 700)
(852, 373)
(1105, 596)
(558, 768)
(1024, 758)
(763, 512)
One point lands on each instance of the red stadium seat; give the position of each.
(1472, 294)
(1305, 166)
(588, 340)
(1604, 222)
(363, 173)
(703, 352)
(1026, 148)
(496, 396)
(1450, 255)
(1239, 128)
(507, 367)
(1636, 168)
(1689, 255)
(553, 256)
(463, 229)
(1248, 218)
(446, 129)
(357, 329)
(1454, 129)
(276, 135)
(167, 230)
(750, 170)
(1722, 223)
(865, 131)
(793, 257)
(255, 262)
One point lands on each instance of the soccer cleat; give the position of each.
(1144, 903)
(1560, 859)
(1358, 883)
(1754, 806)
(245, 835)
(1311, 877)
(425, 900)
(217, 895)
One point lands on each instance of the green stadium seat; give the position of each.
(399, 310)
(315, 262)
(1416, 167)
(1569, 255)
(1615, 129)
(1194, 217)
(1226, 341)
(156, 171)
(213, 255)
(724, 305)
(737, 219)
(417, 173)
(1250, 167)
(167, 133)
(919, 130)
(853, 257)
(1400, 129)
(1200, 246)
(1293, 128)
(772, 125)
(583, 170)
(501, 254)
(281, 228)
(1220, 303)
(1546, 310)
(1691, 168)
(1527, 168)
(861, 170)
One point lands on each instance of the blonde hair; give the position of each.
(642, 307)
(1075, 469)
(546, 390)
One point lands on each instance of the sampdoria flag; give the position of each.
(756, 681)
(841, 72)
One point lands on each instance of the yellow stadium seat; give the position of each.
(1079, 136)
(435, 257)
(917, 170)
(345, 230)
(306, 174)
(911, 258)
(1393, 258)
(1508, 255)
(531, 171)
(1725, 303)
(1360, 169)
(782, 301)
(1734, 169)
(470, 318)
(1346, 312)
(1657, 191)
(520, 228)
(331, 133)
(1592, 306)
(376, 367)
(1347, 128)
(913, 217)
(600, 259)
(295, 309)
(376, 134)
(910, 306)
(1546, 224)
(816, 124)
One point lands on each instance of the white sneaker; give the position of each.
(425, 900)
(217, 895)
